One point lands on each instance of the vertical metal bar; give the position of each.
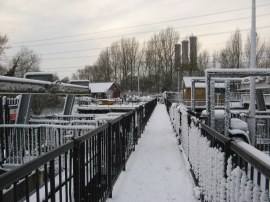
(71, 173)
(258, 178)
(46, 181)
(104, 173)
(87, 161)
(37, 185)
(1, 111)
(66, 176)
(227, 108)
(99, 164)
(207, 97)
(26, 188)
(1, 195)
(76, 172)
(252, 173)
(82, 171)
(7, 121)
(39, 140)
(60, 177)
(52, 180)
(212, 103)
(15, 192)
(123, 142)
(267, 184)
(92, 164)
(192, 95)
(109, 153)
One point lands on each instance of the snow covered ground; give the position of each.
(156, 171)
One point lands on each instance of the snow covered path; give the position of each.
(156, 171)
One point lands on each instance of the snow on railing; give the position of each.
(21, 143)
(82, 167)
(223, 170)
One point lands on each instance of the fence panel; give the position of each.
(224, 169)
(88, 163)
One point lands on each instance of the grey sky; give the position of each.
(95, 24)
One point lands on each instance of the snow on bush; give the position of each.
(208, 164)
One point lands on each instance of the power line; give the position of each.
(76, 57)
(83, 40)
(222, 21)
(69, 67)
(202, 35)
(74, 51)
(140, 25)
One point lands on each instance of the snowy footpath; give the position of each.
(156, 171)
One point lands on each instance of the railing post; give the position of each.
(76, 172)
(6, 108)
(109, 143)
(1, 111)
(81, 150)
(124, 146)
(227, 155)
(2, 146)
(134, 134)
(52, 180)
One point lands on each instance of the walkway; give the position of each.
(156, 171)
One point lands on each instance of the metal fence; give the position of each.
(83, 169)
(223, 169)
(21, 143)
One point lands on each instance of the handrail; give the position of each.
(216, 134)
(258, 163)
(16, 174)
(13, 85)
(105, 150)
(208, 150)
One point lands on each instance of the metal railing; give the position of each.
(21, 143)
(224, 169)
(83, 169)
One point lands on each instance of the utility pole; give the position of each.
(251, 121)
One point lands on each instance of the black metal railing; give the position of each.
(83, 169)
(224, 168)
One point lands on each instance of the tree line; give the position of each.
(128, 62)
(154, 61)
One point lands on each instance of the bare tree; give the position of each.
(215, 59)
(115, 55)
(128, 57)
(161, 50)
(260, 51)
(267, 56)
(153, 65)
(3, 47)
(203, 60)
(3, 44)
(85, 73)
(3, 70)
(24, 61)
(103, 71)
(231, 55)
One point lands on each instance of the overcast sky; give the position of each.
(69, 34)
